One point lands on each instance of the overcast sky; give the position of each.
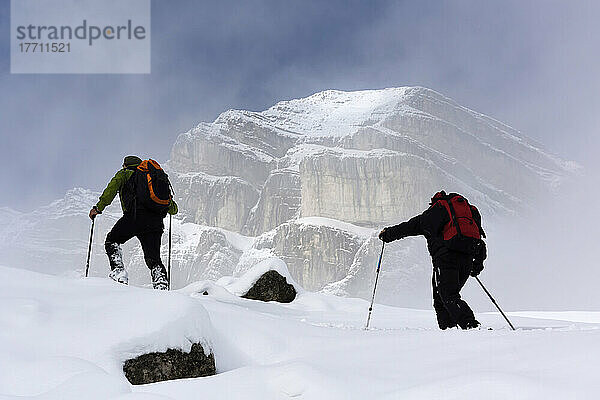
(531, 64)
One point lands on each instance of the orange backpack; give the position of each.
(152, 189)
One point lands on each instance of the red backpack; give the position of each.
(462, 232)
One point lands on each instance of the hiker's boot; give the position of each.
(115, 258)
(119, 274)
(443, 318)
(443, 325)
(471, 324)
(115, 255)
(159, 277)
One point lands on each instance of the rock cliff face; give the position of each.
(202, 150)
(312, 181)
(368, 159)
(368, 187)
(279, 201)
(215, 200)
(363, 157)
(199, 253)
(314, 252)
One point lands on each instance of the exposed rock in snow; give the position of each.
(168, 365)
(271, 286)
(267, 280)
(241, 282)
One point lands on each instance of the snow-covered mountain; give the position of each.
(312, 181)
(367, 157)
(290, 176)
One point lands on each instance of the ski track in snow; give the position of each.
(65, 338)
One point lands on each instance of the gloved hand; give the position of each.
(479, 256)
(480, 251)
(173, 208)
(384, 235)
(94, 211)
(477, 268)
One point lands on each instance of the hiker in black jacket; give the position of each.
(454, 259)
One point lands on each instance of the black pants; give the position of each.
(450, 273)
(147, 227)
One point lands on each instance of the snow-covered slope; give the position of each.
(65, 338)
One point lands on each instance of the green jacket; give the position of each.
(116, 185)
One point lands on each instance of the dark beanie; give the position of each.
(132, 161)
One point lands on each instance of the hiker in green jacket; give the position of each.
(141, 218)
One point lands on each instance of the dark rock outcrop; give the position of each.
(172, 364)
(271, 286)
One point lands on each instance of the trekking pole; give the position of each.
(375, 287)
(87, 264)
(169, 259)
(496, 304)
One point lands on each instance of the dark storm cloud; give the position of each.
(530, 64)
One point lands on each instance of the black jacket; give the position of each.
(429, 224)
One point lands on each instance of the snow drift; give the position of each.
(65, 338)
